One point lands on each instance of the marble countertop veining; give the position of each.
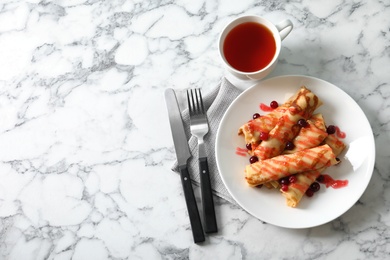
(86, 147)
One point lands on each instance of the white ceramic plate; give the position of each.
(327, 204)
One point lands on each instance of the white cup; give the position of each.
(278, 31)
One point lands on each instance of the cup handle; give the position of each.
(284, 28)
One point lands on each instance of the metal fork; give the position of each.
(199, 128)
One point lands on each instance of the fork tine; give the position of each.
(190, 100)
(195, 101)
(200, 101)
(194, 93)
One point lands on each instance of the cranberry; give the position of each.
(274, 104)
(309, 193)
(264, 136)
(256, 115)
(303, 123)
(289, 145)
(321, 178)
(253, 159)
(259, 186)
(284, 187)
(292, 179)
(315, 186)
(284, 181)
(331, 129)
(249, 146)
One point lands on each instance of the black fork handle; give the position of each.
(207, 197)
(196, 224)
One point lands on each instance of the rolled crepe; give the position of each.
(284, 165)
(252, 129)
(286, 128)
(264, 123)
(297, 189)
(310, 136)
(336, 144)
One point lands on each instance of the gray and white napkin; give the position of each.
(216, 102)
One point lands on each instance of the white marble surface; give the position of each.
(86, 148)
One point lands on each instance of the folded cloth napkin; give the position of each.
(216, 102)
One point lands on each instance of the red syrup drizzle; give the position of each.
(330, 182)
(241, 151)
(265, 108)
(339, 133)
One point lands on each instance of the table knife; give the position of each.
(183, 154)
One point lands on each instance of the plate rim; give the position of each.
(301, 77)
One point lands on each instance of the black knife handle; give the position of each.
(196, 224)
(207, 197)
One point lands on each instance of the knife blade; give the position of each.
(183, 154)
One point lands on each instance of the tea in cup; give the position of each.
(250, 45)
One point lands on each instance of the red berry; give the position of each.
(303, 123)
(284, 181)
(249, 146)
(292, 179)
(253, 159)
(259, 186)
(256, 115)
(315, 186)
(284, 187)
(331, 129)
(309, 193)
(264, 136)
(289, 145)
(274, 104)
